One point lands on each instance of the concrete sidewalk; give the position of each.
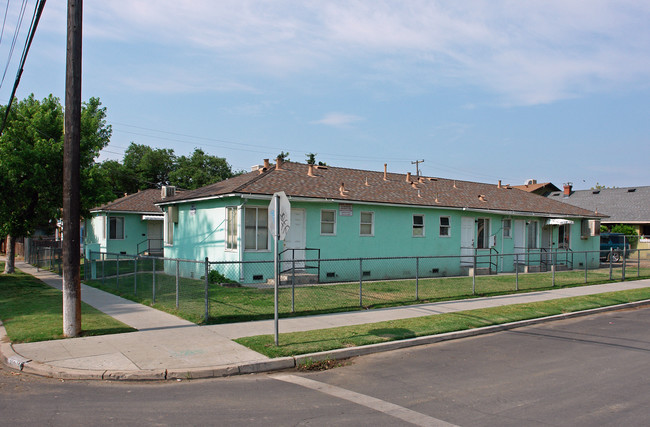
(167, 347)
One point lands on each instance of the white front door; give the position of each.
(466, 241)
(520, 239)
(295, 239)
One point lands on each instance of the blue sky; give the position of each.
(481, 90)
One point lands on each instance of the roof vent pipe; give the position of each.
(499, 186)
(278, 164)
(385, 171)
(310, 172)
(408, 176)
(342, 190)
(267, 164)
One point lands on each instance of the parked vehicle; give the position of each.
(617, 243)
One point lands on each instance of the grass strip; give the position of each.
(296, 343)
(32, 311)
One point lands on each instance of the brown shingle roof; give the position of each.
(142, 202)
(370, 186)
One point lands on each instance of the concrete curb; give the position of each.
(16, 361)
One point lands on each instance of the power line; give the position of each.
(38, 11)
(4, 21)
(21, 15)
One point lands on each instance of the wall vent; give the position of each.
(330, 274)
(258, 277)
(366, 274)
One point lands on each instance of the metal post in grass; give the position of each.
(474, 273)
(103, 259)
(623, 267)
(360, 282)
(638, 263)
(293, 281)
(417, 278)
(207, 282)
(553, 262)
(135, 275)
(586, 265)
(611, 250)
(153, 273)
(178, 275)
(516, 272)
(117, 274)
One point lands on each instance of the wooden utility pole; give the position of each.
(417, 167)
(71, 175)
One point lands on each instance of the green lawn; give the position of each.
(247, 303)
(296, 343)
(32, 311)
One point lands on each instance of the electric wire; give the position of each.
(21, 15)
(38, 11)
(4, 21)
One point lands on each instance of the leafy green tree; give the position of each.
(283, 156)
(311, 160)
(628, 230)
(31, 164)
(151, 166)
(198, 170)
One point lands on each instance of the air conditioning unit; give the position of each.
(167, 191)
(531, 181)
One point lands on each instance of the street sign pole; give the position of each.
(275, 261)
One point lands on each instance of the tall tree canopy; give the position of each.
(151, 166)
(199, 170)
(31, 164)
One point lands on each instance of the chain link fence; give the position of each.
(222, 291)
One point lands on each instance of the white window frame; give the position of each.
(264, 224)
(110, 220)
(415, 226)
(323, 222)
(232, 229)
(446, 227)
(508, 234)
(371, 223)
(485, 242)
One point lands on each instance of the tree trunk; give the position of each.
(11, 255)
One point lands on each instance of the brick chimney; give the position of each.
(567, 189)
(408, 176)
(267, 164)
(310, 171)
(278, 163)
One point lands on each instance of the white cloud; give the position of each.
(523, 52)
(337, 120)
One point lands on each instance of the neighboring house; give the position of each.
(542, 189)
(628, 205)
(349, 213)
(130, 225)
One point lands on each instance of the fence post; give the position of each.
(207, 305)
(638, 262)
(417, 278)
(623, 268)
(135, 275)
(37, 267)
(516, 271)
(610, 263)
(103, 260)
(153, 277)
(360, 282)
(474, 273)
(178, 275)
(117, 277)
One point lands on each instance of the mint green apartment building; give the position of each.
(130, 225)
(339, 213)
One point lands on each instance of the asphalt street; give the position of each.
(579, 372)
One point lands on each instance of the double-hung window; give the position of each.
(483, 233)
(367, 224)
(231, 227)
(507, 228)
(418, 225)
(445, 226)
(116, 228)
(532, 234)
(328, 222)
(256, 235)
